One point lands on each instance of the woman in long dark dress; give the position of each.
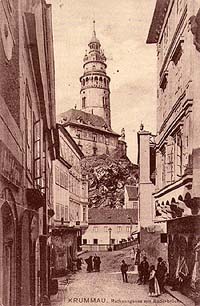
(89, 264)
(154, 289)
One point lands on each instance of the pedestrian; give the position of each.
(139, 280)
(144, 270)
(95, 261)
(124, 269)
(79, 262)
(132, 255)
(98, 263)
(143, 253)
(161, 273)
(137, 256)
(154, 289)
(89, 264)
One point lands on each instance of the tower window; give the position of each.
(78, 134)
(94, 151)
(103, 98)
(95, 137)
(83, 102)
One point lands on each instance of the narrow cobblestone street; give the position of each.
(106, 287)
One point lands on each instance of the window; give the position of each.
(95, 229)
(128, 229)
(106, 140)
(57, 176)
(84, 241)
(112, 241)
(94, 151)
(58, 216)
(170, 161)
(66, 181)
(62, 211)
(62, 179)
(29, 136)
(179, 154)
(103, 98)
(135, 205)
(95, 137)
(119, 228)
(105, 228)
(83, 102)
(163, 164)
(177, 54)
(95, 241)
(84, 214)
(163, 238)
(37, 163)
(78, 133)
(84, 189)
(70, 183)
(163, 82)
(66, 213)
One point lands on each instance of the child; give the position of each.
(154, 289)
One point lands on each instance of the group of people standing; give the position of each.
(93, 263)
(156, 276)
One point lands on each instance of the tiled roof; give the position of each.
(79, 117)
(132, 192)
(112, 216)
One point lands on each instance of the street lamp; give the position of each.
(130, 221)
(109, 231)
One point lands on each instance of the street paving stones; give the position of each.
(106, 288)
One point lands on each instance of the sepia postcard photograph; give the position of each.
(99, 152)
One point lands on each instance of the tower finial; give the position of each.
(94, 32)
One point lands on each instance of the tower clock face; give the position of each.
(7, 39)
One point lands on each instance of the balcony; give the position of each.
(35, 199)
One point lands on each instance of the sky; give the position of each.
(122, 27)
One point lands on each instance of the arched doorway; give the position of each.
(8, 250)
(8, 255)
(29, 258)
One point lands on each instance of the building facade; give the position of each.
(70, 196)
(27, 118)
(91, 133)
(91, 125)
(109, 227)
(174, 29)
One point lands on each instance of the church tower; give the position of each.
(95, 92)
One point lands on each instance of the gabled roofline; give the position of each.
(70, 139)
(91, 127)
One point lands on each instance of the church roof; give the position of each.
(112, 216)
(79, 117)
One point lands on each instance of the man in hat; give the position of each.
(124, 269)
(161, 273)
(144, 268)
